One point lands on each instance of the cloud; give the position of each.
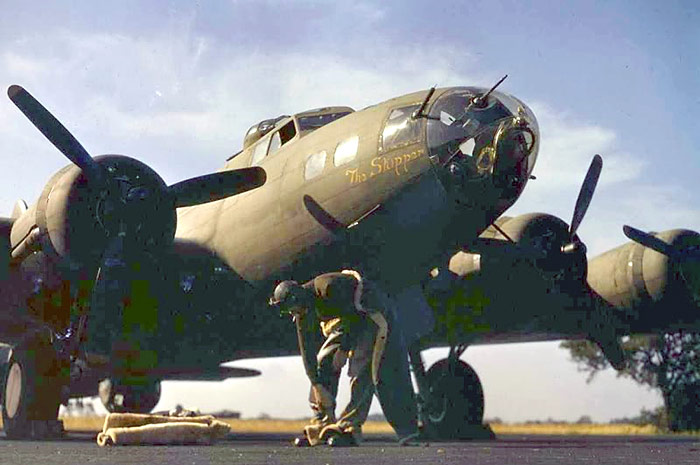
(182, 102)
(19, 65)
(568, 145)
(623, 196)
(651, 207)
(367, 11)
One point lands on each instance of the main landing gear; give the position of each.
(450, 398)
(33, 379)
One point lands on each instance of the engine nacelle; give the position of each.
(653, 290)
(539, 232)
(72, 217)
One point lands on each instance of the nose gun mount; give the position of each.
(483, 143)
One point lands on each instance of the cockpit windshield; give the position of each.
(309, 123)
(257, 131)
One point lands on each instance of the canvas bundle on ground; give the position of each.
(142, 429)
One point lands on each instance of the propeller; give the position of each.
(650, 241)
(582, 203)
(192, 191)
(216, 186)
(111, 275)
(571, 255)
(586, 193)
(133, 199)
(658, 245)
(54, 131)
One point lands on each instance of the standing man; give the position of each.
(356, 326)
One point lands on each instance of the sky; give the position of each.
(177, 83)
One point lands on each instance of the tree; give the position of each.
(669, 362)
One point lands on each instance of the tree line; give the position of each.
(669, 362)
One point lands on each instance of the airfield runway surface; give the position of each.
(263, 448)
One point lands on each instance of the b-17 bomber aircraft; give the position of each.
(113, 281)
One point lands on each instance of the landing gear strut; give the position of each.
(31, 392)
(451, 398)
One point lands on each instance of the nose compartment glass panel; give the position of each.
(495, 142)
(453, 121)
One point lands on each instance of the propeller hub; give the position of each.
(546, 239)
(134, 202)
(575, 247)
(81, 214)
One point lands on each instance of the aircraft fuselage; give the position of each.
(413, 219)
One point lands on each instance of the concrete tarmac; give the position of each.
(277, 449)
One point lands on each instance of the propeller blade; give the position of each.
(586, 193)
(54, 131)
(108, 290)
(650, 241)
(216, 186)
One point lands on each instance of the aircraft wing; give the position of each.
(99, 367)
(500, 291)
(218, 373)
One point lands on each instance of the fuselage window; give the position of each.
(314, 165)
(259, 151)
(345, 151)
(401, 129)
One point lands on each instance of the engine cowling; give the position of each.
(654, 290)
(72, 218)
(541, 233)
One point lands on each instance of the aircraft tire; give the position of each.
(139, 397)
(31, 392)
(456, 404)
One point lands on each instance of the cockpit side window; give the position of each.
(400, 129)
(275, 143)
(281, 137)
(287, 132)
(259, 151)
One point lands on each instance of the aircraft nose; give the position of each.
(482, 147)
